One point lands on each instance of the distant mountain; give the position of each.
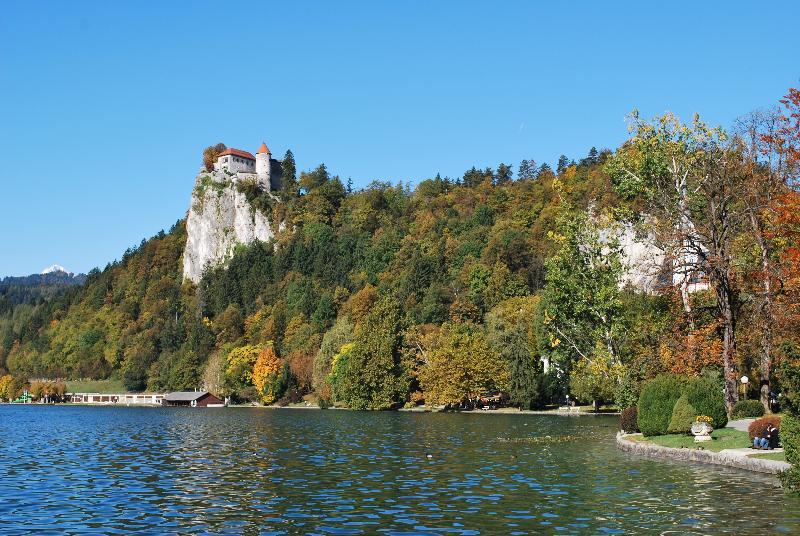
(33, 288)
(55, 268)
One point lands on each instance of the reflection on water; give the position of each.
(182, 470)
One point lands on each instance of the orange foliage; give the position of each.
(301, 364)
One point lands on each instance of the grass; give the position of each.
(777, 456)
(724, 438)
(95, 386)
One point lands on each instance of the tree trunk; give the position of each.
(728, 346)
(765, 359)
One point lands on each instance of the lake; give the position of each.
(109, 470)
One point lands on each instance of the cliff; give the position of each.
(220, 217)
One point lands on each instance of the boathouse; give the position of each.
(136, 399)
(200, 399)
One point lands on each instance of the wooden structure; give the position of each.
(199, 399)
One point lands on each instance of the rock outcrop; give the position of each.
(220, 218)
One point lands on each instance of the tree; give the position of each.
(239, 369)
(210, 155)
(369, 373)
(266, 371)
(503, 174)
(527, 170)
(581, 309)
(563, 163)
(596, 380)
(768, 180)
(690, 178)
(289, 186)
(511, 333)
(461, 367)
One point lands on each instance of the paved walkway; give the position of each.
(747, 451)
(740, 424)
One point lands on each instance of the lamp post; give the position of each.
(744, 381)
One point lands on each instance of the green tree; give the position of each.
(511, 329)
(581, 302)
(289, 185)
(371, 375)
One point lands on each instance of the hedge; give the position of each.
(747, 409)
(656, 403)
(706, 396)
(627, 420)
(790, 439)
(758, 428)
(683, 415)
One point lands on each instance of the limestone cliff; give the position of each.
(220, 217)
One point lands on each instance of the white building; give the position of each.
(244, 165)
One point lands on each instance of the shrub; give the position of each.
(747, 409)
(627, 420)
(656, 403)
(706, 397)
(790, 480)
(790, 439)
(788, 375)
(758, 428)
(682, 417)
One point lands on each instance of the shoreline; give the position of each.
(418, 409)
(651, 450)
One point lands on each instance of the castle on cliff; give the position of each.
(262, 168)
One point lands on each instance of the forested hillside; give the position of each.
(393, 295)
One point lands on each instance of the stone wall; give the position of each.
(643, 448)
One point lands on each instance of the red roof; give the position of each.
(263, 148)
(237, 152)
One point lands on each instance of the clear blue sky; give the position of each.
(105, 107)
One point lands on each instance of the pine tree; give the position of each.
(289, 175)
(563, 162)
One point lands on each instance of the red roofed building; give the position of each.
(243, 165)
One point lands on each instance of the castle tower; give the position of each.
(263, 166)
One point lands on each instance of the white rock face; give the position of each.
(642, 260)
(220, 218)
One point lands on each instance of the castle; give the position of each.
(242, 165)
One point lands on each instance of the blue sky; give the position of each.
(105, 107)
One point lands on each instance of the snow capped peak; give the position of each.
(55, 268)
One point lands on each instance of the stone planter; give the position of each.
(702, 431)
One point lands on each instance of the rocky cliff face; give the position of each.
(220, 217)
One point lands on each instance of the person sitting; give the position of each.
(766, 441)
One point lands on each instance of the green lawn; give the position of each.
(777, 456)
(724, 438)
(95, 386)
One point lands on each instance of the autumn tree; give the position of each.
(266, 371)
(239, 368)
(461, 366)
(690, 178)
(210, 155)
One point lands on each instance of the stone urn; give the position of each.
(702, 431)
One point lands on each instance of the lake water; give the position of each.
(255, 471)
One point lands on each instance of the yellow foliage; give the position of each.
(265, 369)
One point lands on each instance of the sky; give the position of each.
(105, 107)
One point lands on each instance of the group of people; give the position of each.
(769, 440)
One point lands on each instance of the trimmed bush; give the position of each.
(747, 409)
(790, 439)
(656, 403)
(758, 428)
(707, 399)
(627, 421)
(683, 416)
